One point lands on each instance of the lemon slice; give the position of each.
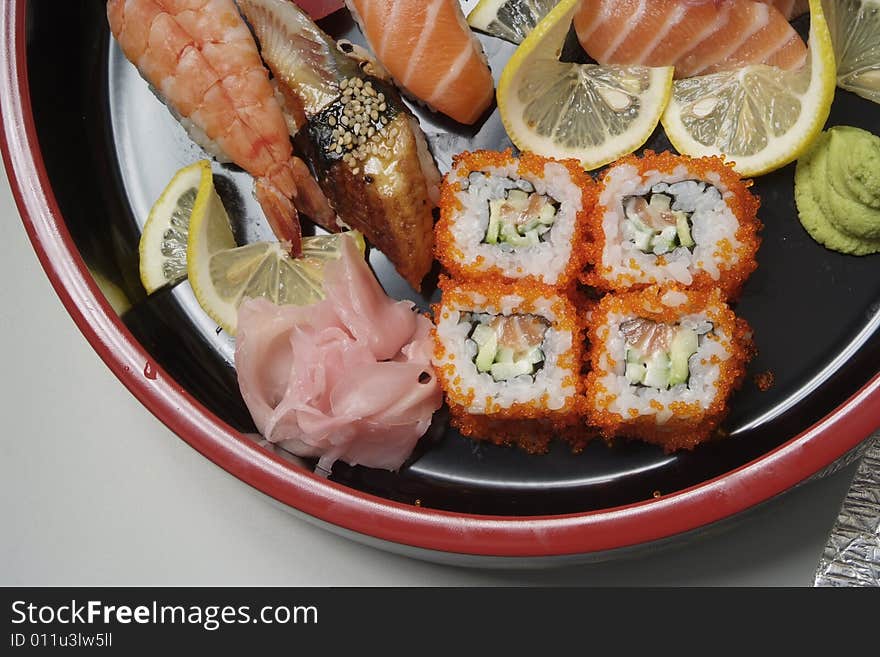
(162, 247)
(593, 113)
(222, 274)
(511, 20)
(760, 117)
(855, 33)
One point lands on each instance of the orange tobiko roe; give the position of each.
(445, 246)
(738, 263)
(691, 423)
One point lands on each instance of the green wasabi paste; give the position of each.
(837, 190)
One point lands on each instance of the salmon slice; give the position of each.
(697, 36)
(696, 24)
(773, 44)
(716, 51)
(427, 46)
(657, 23)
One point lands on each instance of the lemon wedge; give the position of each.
(593, 113)
(162, 247)
(759, 117)
(222, 274)
(511, 20)
(855, 33)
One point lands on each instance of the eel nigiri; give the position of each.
(203, 63)
(367, 150)
(698, 37)
(428, 48)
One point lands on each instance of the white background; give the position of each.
(96, 491)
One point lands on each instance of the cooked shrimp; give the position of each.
(202, 59)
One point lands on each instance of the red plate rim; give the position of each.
(369, 515)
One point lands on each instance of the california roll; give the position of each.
(514, 217)
(508, 358)
(670, 219)
(663, 363)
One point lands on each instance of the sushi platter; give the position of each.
(477, 349)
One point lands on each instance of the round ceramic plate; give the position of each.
(89, 148)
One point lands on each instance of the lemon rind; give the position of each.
(149, 255)
(199, 253)
(818, 96)
(484, 13)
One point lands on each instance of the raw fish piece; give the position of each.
(698, 37)
(431, 52)
(349, 378)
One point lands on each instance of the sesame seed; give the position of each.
(374, 115)
(383, 107)
(358, 83)
(331, 120)
(344, 84)
(344, 120)
(356, 171)
(338, 148)
(371, 131)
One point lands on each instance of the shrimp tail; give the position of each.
(285, 192)
(310, 198)
(281, 213)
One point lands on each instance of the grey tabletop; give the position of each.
(97, 491)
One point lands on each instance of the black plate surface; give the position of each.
(110, 147)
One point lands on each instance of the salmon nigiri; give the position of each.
(428, 48)
(696, 36)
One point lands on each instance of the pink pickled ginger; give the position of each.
(348, 378)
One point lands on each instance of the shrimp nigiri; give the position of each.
(201, 58)
(430, 51)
